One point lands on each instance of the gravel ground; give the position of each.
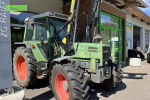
(135, 86)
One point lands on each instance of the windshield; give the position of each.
(58, 23)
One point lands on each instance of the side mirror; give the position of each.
(98, 36)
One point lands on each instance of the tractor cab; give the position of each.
(41, 32)
(45, 26)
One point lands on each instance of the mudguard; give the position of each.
(19, 44)
(60, 59)
(22, 44)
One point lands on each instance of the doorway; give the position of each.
(17, 33)
(112, 31)
(136, 36)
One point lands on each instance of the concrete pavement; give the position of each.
(135, 86)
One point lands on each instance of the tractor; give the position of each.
(50, 49)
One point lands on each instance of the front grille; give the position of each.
(106, 52)
(92, 49)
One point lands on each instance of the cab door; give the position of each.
(40, 47)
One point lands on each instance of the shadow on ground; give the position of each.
(134, 75)
(96, 91)
(47, 95)
(44, 96)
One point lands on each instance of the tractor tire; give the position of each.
(114, 81)
(68, 82)
(24, 67)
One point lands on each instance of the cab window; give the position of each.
(29, 32)
(40, 33)
(52, 30)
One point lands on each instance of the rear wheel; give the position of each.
(114, 81)
(24, 67)
(68, 82)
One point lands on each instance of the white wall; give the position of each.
(129, 37)
(137, 22)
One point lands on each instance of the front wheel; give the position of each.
(68, 82)
(24, 67)
(115, 80)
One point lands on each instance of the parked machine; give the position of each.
(50, 49)
(148, 55)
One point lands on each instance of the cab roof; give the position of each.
(49, 14)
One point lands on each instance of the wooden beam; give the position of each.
(116, 2)
(142, 20)
(133, 16)
(148, 23)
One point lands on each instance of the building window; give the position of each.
(109, 21)
(112, 30)
(146, 39)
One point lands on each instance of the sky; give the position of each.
(146, 10)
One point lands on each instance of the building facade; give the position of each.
(138, 29)
(126, 28)
(114, 21)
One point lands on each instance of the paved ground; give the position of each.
(136, 86)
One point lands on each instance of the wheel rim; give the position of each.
(21, 67)
(61, 86)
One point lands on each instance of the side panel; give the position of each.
(39, 56)
(5, 47)
(89, 51)
(40, 51)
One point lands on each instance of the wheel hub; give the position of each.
(62, 87)
(21, 67)
(65, 86)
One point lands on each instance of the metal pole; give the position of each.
(76, 19)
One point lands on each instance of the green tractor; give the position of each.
(50, 49)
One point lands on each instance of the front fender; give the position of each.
(61, 59)
(19, 44)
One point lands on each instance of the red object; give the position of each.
(59, 85)
(21, 67)
(33, 46)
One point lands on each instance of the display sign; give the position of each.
(16, 7)
(4, 22)
(129, 25)
(5, 47)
